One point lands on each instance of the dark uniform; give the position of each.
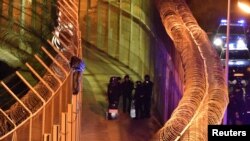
(139, 100)
(113, 93)
(236, 104)
(127, 87)
(247, 104)
(147, 90)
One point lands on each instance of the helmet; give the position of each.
(147, 77)
(126, 76)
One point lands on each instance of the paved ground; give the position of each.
(94, 125)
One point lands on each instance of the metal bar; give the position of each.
(52, 111)
(14, 137)
(63, 129)
(61, 8)
(13, 94)
(27, 83)
(47, 68)
(74, 117)
(55, 61)
(39, 77)
(58, 52)
(60, 101)
(66, 46)
(69, 123)
(71, 9)
(55, 134)
(227, 55)
(66, 38)
(75, 5)
(30, 131)
(43, 120)
(47, 137)
(7, 117)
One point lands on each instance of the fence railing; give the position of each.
(49, 111)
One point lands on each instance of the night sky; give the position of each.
(208, 13)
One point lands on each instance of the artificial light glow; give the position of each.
(231, 46)
(223, 21)
(241, 21)
(244, 7)
(236, 63)
(238, 74)
(218, 41)
(241, 44)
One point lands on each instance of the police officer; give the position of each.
(237, 103)
(147, 90)
(113, 93)
(127, 87)
(139, 100)
(247, 104)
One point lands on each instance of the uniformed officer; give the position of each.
(113, 93)
(147, 90)
(127, 87)
(139, 100)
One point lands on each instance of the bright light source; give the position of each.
(218, 41)
(241, 44)
(244, 7)
(223, 21)
(236, 63)
(231, 45)
(241, 21)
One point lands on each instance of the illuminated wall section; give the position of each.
(126, 31)
(117, 29)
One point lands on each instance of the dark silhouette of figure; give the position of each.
(247, 104)
(236, 104)
(139, 100)
(127, 87)
(232, 108)
(147, 90)
(78, 67)
(113, 93)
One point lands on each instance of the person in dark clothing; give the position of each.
(232, 109)
(147, 90)
(247, 104)
(139, 100)
(127, 87)
(113, 93)
(236, 104)
(78, 67)
(119, 79)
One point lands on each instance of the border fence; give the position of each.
(48, 111)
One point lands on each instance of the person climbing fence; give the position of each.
(78, 67)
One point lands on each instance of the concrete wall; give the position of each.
(127, 31)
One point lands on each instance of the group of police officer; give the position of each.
(139, 94)
(239, 102)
